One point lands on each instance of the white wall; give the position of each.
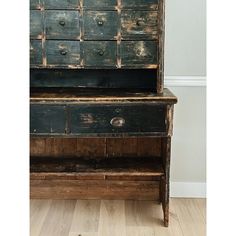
(185, 52)
(185, 70)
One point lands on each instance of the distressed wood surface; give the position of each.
(36, 24)
(96, 78)
(100, 25)
(63, 52)
(36, 52)
(149, 166)
(62, 25)
(60, 4)
(100, 95)
(95, 147)
(47, 119)
(99, 53)
(138, 53)
(94, 189)
(139, 24)
(98, 119)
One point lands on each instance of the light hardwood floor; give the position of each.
(116, 218)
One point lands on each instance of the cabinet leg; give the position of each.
(166, 215)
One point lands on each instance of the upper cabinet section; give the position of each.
(95, 33)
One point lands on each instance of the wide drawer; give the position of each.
(98, 119)
(47, 119)
(108, 118)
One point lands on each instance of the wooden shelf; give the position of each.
(80, 95)
(74, 168)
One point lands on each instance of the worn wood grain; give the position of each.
(86, 217)
(94, 189)
(100, 25)
(62, 24)
(60, 213)
(139, 24)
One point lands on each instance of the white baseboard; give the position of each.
(188, 189)
(185, 81)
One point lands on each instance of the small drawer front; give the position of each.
(36, 24)
(99, 53)
(100, 24)
(63, 52)
(62, 24)
(139, 24)
(143, 53)
(61, 4)
(36, 54)
(102, 119)
(104, 4)
(148, 4)
(47, 119)
(35, 4)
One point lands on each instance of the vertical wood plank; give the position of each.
(112, 218)
(191, 220)
(38, 212)
(148, 147)
(86, 217)
(59, 218)
(37, 146)
(91, 147)
(69, 146)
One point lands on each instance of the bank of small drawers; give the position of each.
(89, 33)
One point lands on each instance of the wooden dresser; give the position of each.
(100, 120)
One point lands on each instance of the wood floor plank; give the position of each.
(38, 212)
(191, 220)
(112, 218)
(86, 217)
(59, 218)
(201, 203)
(116, 218)
(141, 213)
(140, 231)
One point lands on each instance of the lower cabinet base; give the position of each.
(94, 189)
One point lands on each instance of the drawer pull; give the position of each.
(117, 122)
(140, 22)
(100, 22)
(62, 22)
(100, 52)
(63, 52)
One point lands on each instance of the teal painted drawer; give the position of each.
(36, 24)
(99, 53)
(62, 24)
(61, 4)
(139, 53)
(100, 25)
(36, 53)
(47, 119)
(139, 24)
(61, 53)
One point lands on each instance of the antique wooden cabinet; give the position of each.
(100, 119)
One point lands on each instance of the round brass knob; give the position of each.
(117, 122)
(62, 22)
(63, 52)
(139, 22)
(100, 52)
(100, 22)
